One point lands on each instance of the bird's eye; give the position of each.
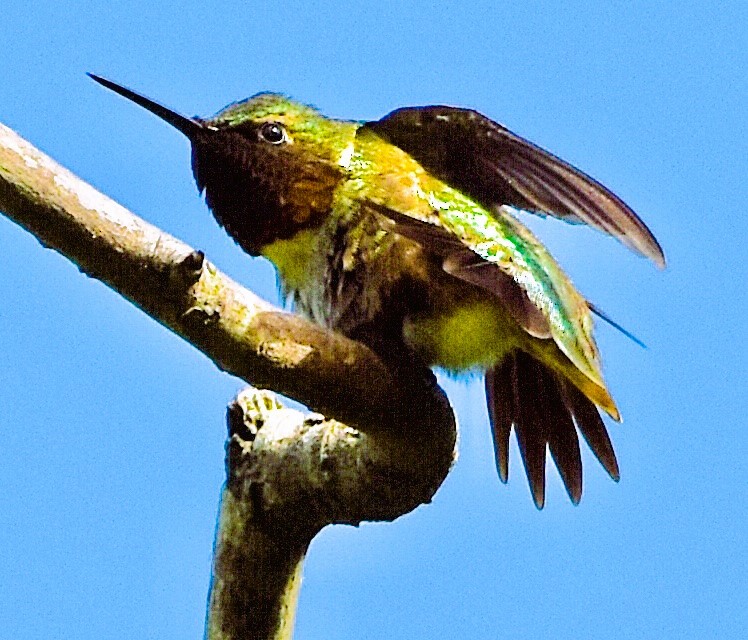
(273, 133)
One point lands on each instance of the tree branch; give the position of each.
(287, 475)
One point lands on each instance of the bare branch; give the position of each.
(288, 475)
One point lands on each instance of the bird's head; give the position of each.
(268, 165)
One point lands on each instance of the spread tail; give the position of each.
(545, 410)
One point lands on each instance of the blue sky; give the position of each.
(111, 428)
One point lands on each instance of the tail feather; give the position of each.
(564, 444)
(544, 409)
(500, 399)
(531, 422)
(591, 425)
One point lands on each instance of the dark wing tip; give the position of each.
(554, 187)
(659, 258)
(650, 248)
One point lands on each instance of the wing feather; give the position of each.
(499, 254)
(497, 167)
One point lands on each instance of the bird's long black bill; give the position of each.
(188, 126)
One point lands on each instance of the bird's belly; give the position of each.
(472, 333)
(446, 322)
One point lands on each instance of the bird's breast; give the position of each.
(297, 260)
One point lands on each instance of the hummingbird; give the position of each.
(404, 233)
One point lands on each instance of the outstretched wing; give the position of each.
(488, 162)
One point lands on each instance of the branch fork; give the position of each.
(386, 446)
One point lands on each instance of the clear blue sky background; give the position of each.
(111, 428)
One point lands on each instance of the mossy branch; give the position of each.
(385, 448)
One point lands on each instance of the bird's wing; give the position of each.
(499, 254)
(496, 167)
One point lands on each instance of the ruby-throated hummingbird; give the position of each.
(402, 233)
